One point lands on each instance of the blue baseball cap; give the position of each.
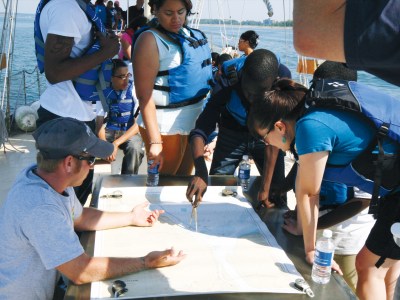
(61, 137)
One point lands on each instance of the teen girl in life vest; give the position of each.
(343, 132)
(172, 73)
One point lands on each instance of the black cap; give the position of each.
(61, 137)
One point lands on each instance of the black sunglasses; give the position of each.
(90, 159)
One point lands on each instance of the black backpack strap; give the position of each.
(374, 205)
(136, 112)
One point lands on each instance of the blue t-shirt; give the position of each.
(343, 134)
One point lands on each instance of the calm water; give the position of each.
(24, 60)
(276, 40)
(280, 41)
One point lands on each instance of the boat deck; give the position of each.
(17, 153)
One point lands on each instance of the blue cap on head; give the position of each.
(61, 137)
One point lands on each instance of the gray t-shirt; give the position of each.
(36, 235)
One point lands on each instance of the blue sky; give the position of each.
(240, 10)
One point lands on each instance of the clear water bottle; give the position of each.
(324, 250)
(152, 174)
(244, 173)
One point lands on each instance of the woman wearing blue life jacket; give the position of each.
(326, 141)
(248, 41)
(172, 73)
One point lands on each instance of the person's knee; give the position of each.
(364, 261)
(360, 264)
(134, 151)
(135, 147)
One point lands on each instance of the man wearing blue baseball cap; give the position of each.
(41, 212)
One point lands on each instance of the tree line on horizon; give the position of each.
(266, 22)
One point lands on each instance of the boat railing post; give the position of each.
(24, 83)
(38, 80)
(8, 108)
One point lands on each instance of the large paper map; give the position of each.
(233, 250)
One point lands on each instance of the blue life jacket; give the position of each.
(284, 72)
(92, 84)
(237, 107)
(231, 76)
(101, 12)
(333, 194)
(121, 108)
(230, 71)
(373, 171)
(191, 81)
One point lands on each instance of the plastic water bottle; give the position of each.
(152, 174)
(244, 173)
(324, 250)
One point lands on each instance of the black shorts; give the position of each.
(380, 241)
(372, 37)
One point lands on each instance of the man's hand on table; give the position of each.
(159, 259)
(143, 217)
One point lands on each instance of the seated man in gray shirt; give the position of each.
(41, 212)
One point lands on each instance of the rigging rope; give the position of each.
(240, 24)
(222, 34)
(284, 26)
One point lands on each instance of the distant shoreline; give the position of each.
(248, 26)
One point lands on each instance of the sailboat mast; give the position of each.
(6, 50)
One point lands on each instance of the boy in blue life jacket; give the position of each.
(254, 75)
(121, 128)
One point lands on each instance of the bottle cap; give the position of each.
(245, 157)
(395, 229)
(327, 233)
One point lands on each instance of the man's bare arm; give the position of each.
(84, 268)
(60, 66)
